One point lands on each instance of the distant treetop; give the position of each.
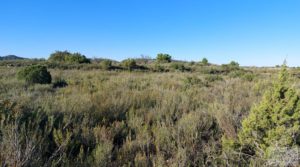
(204, 61)
(68, 57)
(234, 64)
(163, 58)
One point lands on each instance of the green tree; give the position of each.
(35, 74)
(65, 56)
(163, 58)
(234, 64)
(59, 56)
(275, 122)
(204, 61)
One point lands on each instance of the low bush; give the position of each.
(213, 78)
(178, 66)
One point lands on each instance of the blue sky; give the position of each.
(252, 32)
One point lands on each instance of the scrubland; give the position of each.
(160, 115)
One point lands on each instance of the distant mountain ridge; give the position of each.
(11, 57)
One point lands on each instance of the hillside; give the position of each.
(11, 57)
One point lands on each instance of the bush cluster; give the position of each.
(35, 74)
(163, 58)
(129, 64)
(67, 57)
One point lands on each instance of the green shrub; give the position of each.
(35, 74)
(106, 64)
(163, 58)
(129, 64)
(248, 77)
(213, 78)
(178, 66)
(60, 83)
(230, 67)
(204, 62)
(236, 74)
(234, 64)
(191, 81)
(77, 58)
(65, 56)
(271, 125)
(158, 68)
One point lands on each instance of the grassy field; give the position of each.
(169, 117)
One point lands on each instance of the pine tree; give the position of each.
(275, 121)
(270, 134)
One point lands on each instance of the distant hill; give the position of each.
(11, 57)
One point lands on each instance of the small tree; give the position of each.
(204, 61)
(35, 74)
(65, 56)
(163, 58)
(59, 56)
(234, 64)
(275, 122)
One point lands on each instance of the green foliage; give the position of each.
(231, 66)
(248, 76)
(213, 78)
(178, 66)
(204, 61)
(158, 68)
(163, 58)
(129, 64)
(106, 64)
(275, 122)
(234, 64)
(191, 81)
(35, 74)
(65, 56)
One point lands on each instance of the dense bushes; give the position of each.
(129, 64)
(65, 56)
(106, 64)
(163, 58)
(35, 74)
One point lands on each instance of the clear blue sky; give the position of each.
(252, 32)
